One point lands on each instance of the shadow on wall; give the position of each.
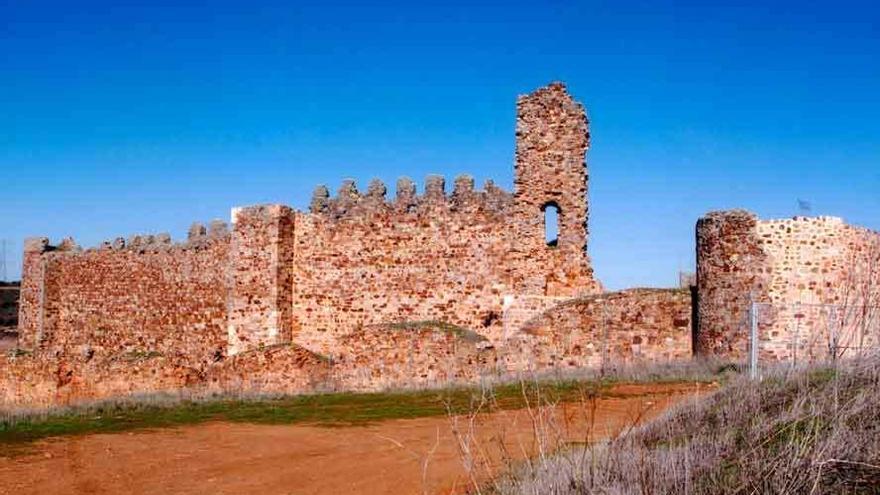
(9, 292)
(9, 304)
(695, 314)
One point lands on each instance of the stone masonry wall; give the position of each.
(814, 279)
(40, 380)
(552, 138)
(30, 309)
(732, 267)
(148, 296)
(353, 260)
(635, 325)
(412, 355)
(363, 260)
(261, 276)
(520, 309)
(318, 278)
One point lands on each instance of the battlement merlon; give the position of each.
(350, 203)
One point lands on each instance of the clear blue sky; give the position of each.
(116, 120)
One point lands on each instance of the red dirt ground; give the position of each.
(384, 458)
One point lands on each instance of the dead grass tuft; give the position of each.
(812, 431)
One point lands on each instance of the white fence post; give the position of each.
(753, 340)
(832, 333)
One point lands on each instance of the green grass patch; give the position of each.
(439, 326)
(337, 409)
(18, 352)
(140, 355)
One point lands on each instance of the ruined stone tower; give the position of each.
(552, 137)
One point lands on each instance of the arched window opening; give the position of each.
(551, 224)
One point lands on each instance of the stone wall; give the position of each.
(261, 273)
(396, 356)
(146, 296)
(552, 137)
(632, 327)
(353, 260)
(520, 309)
(813, 279)
(732, 267)
(363, 261)
(281, 369)
(325, 279)
(40, 380)
(412, 354)
(30, 305)
(636, 325)
(27, 383)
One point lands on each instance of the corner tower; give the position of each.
(552, 137)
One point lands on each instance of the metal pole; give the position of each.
(753, 338)
(604, 338)
(3, 261)
(797, 330)
(832, 331)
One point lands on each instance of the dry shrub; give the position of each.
(808, 431)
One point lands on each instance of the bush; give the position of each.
(812, 431)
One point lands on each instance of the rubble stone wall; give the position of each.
(634, 325)
(429, 257)
(353, 260)
(520, 309)
(813, 279)
(412, 355)
(732, 267)
(322, 279)
(41, 380)
(261, 273)
(142, 298)
(30, 304)
(552, 138)
(362, 259)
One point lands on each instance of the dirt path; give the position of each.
(385, 458)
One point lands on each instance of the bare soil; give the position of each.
(391, 457)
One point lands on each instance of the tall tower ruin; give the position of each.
(552, 138)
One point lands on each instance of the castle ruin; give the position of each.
(280, 275)
(366, 290)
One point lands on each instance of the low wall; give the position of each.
(413, 354)
(619, 327)
(624, 327)
(44, 380)
(282, 369)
